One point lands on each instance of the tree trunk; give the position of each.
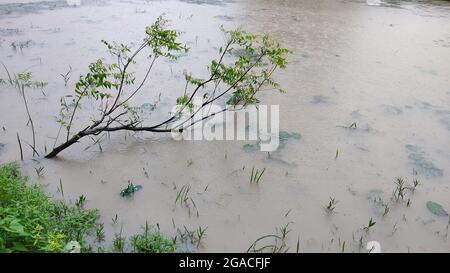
(64, 145)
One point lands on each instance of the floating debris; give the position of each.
(436, 209)
(130, 189)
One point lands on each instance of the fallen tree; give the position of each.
(244, 65)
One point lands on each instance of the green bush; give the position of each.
(31, 222)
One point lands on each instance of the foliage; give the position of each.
(243, 66)
(31, 222)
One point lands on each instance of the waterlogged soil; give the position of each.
(368, 100)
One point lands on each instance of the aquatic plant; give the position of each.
(331, 205)
(386, 208)
(416, 183)
(100, 233)
(39, 171)
(244, 65)
(184, 198)
(115, 219)
(369, 225)
(400, 190)
(80, 201)
(119, 242)
(66, 76)
(256, 175)
(193, 237)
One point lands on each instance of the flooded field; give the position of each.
(367, 94)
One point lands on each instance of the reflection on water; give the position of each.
(367, 91)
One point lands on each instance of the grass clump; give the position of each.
(30, 221)
(151, 240)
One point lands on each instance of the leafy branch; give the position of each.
(244, 65)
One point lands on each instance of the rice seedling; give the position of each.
(20, 147)
(189, 162)
(256, 175)
(184, 199)
(331, 205)
(115, 219)
(60, 188)
(394, 229)
(287, 213)
(385, 208)
(400, 190)
(360, 242)
(186, 235)
(100, 233)
(145, 173)
(416, 183)
(201, 233)
(39, 171)
(336, 155)
(66, 76)
(119, 242)
(408, 203)
(79, 203)
(20, 45)
(369, 225)
(193, 237)
(183, 195)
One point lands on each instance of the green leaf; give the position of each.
(16, 227)
(436, 209)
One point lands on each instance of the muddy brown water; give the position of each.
(382, 65)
